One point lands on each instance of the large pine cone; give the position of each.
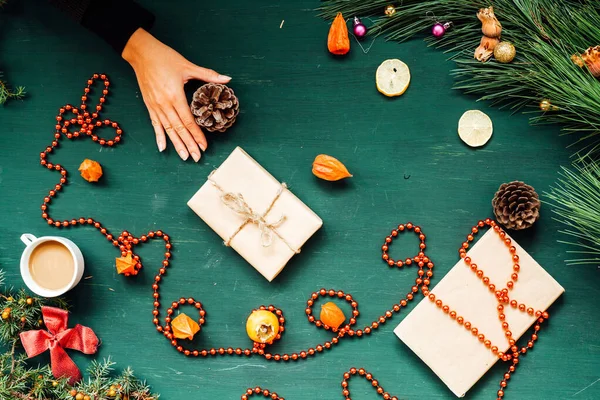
(215, 107)
(516, 205)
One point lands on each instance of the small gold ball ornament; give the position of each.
(390, 10)
(545, 106)
(504, 52)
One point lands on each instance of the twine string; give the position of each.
(236, 203)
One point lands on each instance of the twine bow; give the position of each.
(58, 338)
(236, 203)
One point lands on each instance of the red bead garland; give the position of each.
(83, 123)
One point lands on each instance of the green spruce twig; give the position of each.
(6, 93)
(576, 201)
(19, 381)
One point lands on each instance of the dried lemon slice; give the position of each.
(475, 128)
(392, 77)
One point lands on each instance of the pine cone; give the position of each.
(516, 205)
(215, 107)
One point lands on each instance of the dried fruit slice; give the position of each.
(475, 128)
(392, 77)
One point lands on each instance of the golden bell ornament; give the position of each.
(545, 106)
(390, 10)
(504, 52)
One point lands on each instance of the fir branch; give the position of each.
(6, 93)
(18, 381)
(576, 202)
(545, 33)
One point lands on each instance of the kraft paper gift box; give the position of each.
(453, 353)
(254, 213)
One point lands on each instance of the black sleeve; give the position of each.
(113, 20)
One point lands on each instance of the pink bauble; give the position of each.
(360, 30)
(438, 30)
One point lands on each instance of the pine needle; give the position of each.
(576, 202)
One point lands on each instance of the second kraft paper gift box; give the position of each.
(254, 213)
(454, 354)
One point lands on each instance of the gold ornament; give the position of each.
(545, 106)
(390, 10)
(504, 52)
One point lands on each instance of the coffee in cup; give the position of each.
(50, 265)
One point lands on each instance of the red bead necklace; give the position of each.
(83, 123)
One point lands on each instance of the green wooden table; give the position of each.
(297, 101)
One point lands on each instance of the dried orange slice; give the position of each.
(475, 128)
(392, 77)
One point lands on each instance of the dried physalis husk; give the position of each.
(125, 265)
(590, 58)
(486, 48)
(262, 326)
(332, 315)
(338, 41)
(490, 26)
(90, 170)
(183, 327)
(329, 168)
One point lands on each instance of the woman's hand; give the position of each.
(161, 73)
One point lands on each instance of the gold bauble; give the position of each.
(545, 106)
(504, 52)
(390, 10)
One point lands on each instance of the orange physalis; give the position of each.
(329, 168)
(90, 170)
(338, 41)
(125, 265)
(331, 315)
(183, 327)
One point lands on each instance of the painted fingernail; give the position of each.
(225, 77)
(161, 145)
(183, 154)
(195, 156)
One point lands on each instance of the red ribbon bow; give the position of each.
(57, 339)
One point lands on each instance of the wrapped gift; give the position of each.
(451, 351)
(254, 213)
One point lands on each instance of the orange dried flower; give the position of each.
(329, 168)
(90, 170)
(486, 48)
(332, 315)
(125, 265)
(338, 41)
(183, 327)
(590, 58)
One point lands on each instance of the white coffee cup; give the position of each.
(31, 242)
